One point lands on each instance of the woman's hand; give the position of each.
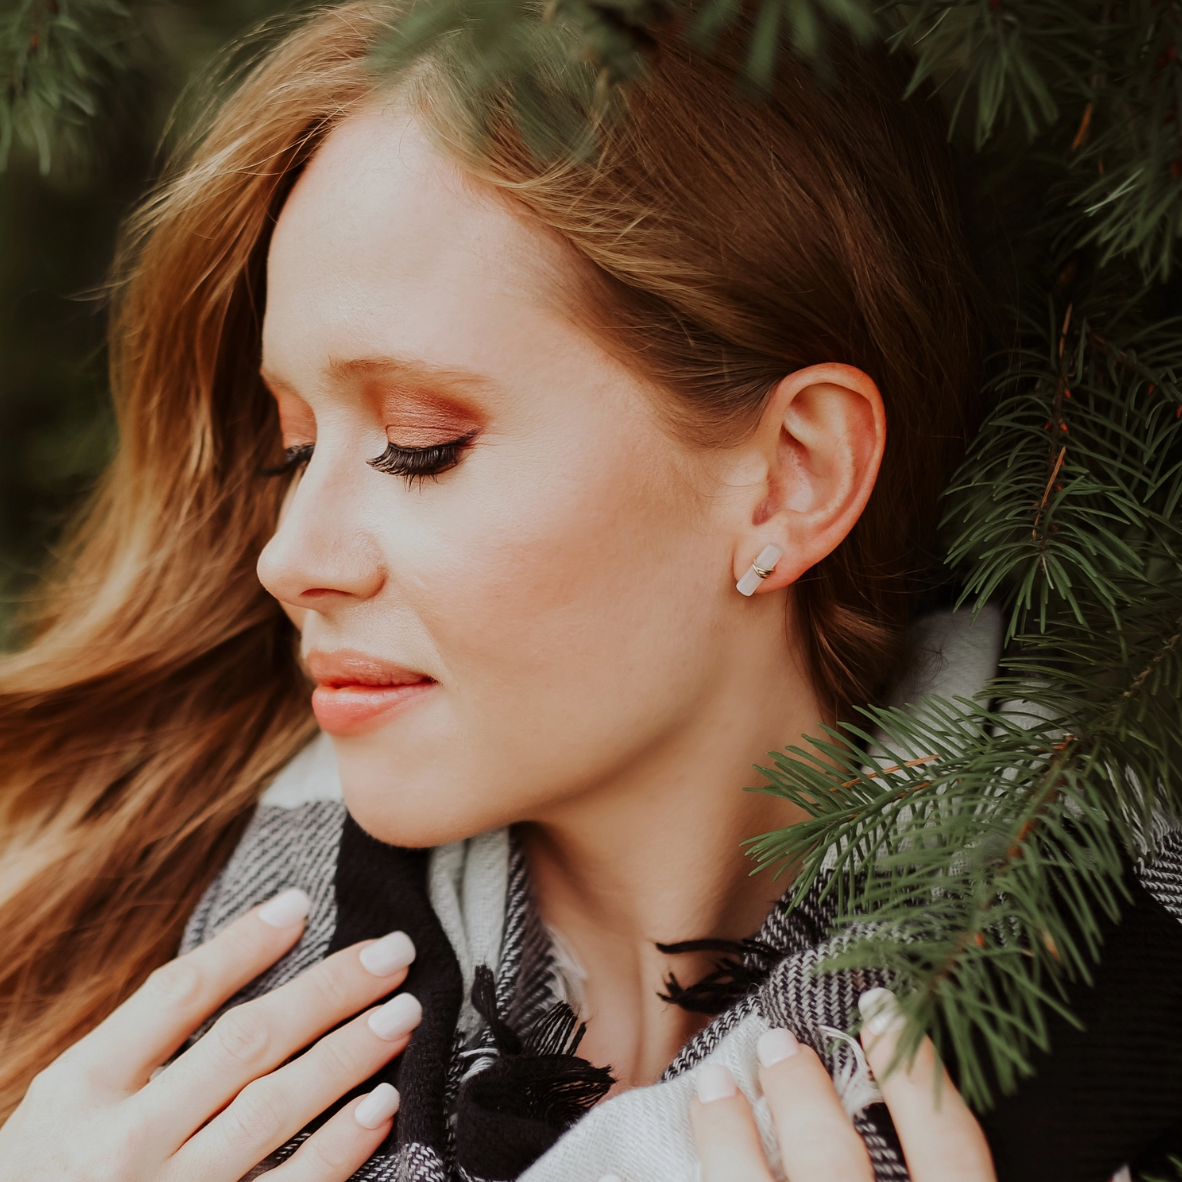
(940, 1136)
(103, 1113)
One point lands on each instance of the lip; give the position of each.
(356, 692)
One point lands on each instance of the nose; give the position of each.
(320, 556)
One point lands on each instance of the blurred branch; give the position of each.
(62, 65)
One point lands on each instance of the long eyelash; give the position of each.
(294, 458)
(418, 463)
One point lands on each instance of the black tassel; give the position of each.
(746, 966)
(556, 1032)
(510, 1112)
(484, 1001)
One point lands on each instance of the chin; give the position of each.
(400, 810)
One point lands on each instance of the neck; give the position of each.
(655, 856)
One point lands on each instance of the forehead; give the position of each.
(384, 246)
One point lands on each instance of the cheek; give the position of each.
(565, 589)
(566, 600)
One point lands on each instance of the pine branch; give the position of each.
(1131, 153)
(977, 863)
(976, 882)
(62, 65)
(1005, 61)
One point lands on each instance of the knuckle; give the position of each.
(254, 1118)
(65, 1082)
(104, 1169)
(241, 1037)
(114, 1157)
(339, 1056)
(46, 1085)
(137, 1133)
(335, 983)
(46, 1082)
(924, 1062)
(176, 983)
(331, 1152)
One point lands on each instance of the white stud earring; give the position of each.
(759, 570)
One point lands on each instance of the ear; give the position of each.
(809, 469)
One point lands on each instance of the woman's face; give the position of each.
(550, 596)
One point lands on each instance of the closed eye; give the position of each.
(418, 463)
(294, 458)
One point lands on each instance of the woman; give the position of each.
(537, 426)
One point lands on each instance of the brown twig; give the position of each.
(1059, 428)
(886, 771)
(1158, 657)
(1047, 491)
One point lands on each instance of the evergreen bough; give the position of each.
(67, 68)
(978, 854)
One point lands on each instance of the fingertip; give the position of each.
(398, 1018)
(725, 1134)
(880, 1012)
(391, 954)
(377, 1108)
(776, 1045)
(715, 1082)
(286, 910)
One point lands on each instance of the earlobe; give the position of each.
(819, 444)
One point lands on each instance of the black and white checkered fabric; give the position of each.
(297, 847)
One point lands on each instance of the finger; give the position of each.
(274, 1108)
(252, 1039)
(817, 1141)
(941, 1138)
(345, 1143)
(121, 1052)
(725, 1134)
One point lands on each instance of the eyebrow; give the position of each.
(413, 374)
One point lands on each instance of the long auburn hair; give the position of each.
(728, 242)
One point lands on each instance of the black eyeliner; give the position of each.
(418, 463)
(293, 458)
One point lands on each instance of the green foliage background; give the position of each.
(61, 199)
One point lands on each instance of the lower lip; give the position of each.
(353, 709)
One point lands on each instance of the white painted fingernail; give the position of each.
(377, 1107)
(388, 955)
(399, 1016)
(880, 1012)
(715, 1082)
(286, 910)
(775, 1046)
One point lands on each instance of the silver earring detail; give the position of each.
(759, 570)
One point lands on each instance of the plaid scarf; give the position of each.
(493, 1088)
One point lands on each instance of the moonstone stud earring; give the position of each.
(759, 570)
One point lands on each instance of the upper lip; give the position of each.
(347, 667)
